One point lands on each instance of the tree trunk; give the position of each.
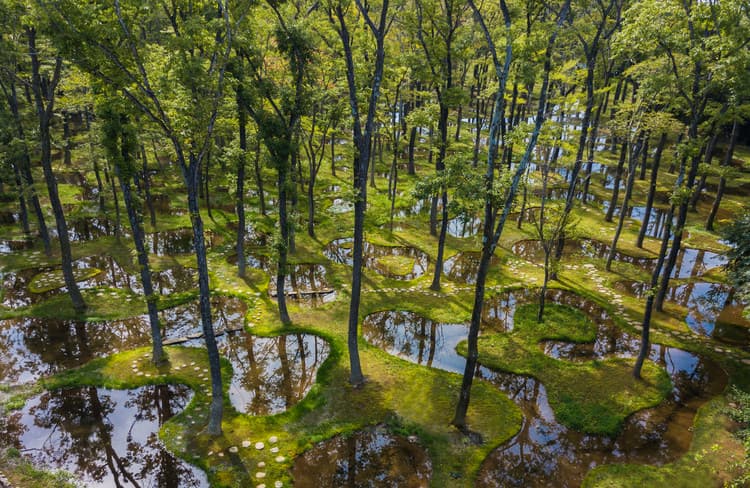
(44, 103)
(632, 163)
(21, 200)
(66, 138)
(651, 189)
(618, 177)
(440, 166)
(134, 217)
(240, 194)
(192, 177)
(723, 181)
(259, 177)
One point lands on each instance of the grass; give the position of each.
(591, 396)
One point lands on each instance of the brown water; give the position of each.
(544, 452)
(105, 438)
(340, 251)
(368, 458)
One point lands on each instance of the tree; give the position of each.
(182, 100)
(494, 204)
(337, 15)
(121, 144)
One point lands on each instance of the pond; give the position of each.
(396, 262)
(545, 452)
(712, 309)
(370, 457)
(104, 437)
(462, 267)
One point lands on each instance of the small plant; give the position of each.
(739, 411)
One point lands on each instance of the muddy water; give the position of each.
(713, 310)
(368, 458)
(105, 438)
(546, 453)
(340, 251)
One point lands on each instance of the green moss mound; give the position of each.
(592, 396)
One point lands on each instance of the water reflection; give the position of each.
(179, 241)
(464, 266)
(367, 458)
(713, 309)
(31, 348)
(376, 257)
(546, 452)
(104, 437)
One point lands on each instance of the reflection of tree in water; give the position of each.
(405, 334)
(106, 438)
(34, 347)
(370, 457)
(272, 374)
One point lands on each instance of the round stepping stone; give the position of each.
(259, 445)
(261, 465)
(273, 439)
(246, 443)
(280, 459)
(274, 450)
(260, 475)
(278, 484)
(233, 449)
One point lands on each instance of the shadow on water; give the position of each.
(104, 437)
(376, 258)
(368, 458)
(545, 452)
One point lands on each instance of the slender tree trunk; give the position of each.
(192, 177)
(157, 349)
(147, 187)
(651, 189)
(710, 148)
(44, 103)
(644, 161)
(283, 247)
(633, 161)
(440, 166)
(66, 139)
(646, 324)
(21, 199)
(723, 180)
(27, 178)
(259, 177)
(240, 194)
(618, 177)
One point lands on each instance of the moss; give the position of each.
(52, 280)
(396, 265)
(711, 460)
(21, 472)
(590, 396)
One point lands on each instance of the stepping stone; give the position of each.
(273, 439)
(246, 443)
(280, 459)
(260, 475)
(233, 449)
(274, 450)
(278, 484)
(259, 445)
(261, 465)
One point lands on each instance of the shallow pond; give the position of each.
(270, 374)
(367, 458)
(411, 262)
(463, 266)
(544, 452)
(713, 310)
(105, 438)
(179, 241)
(689, 263)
